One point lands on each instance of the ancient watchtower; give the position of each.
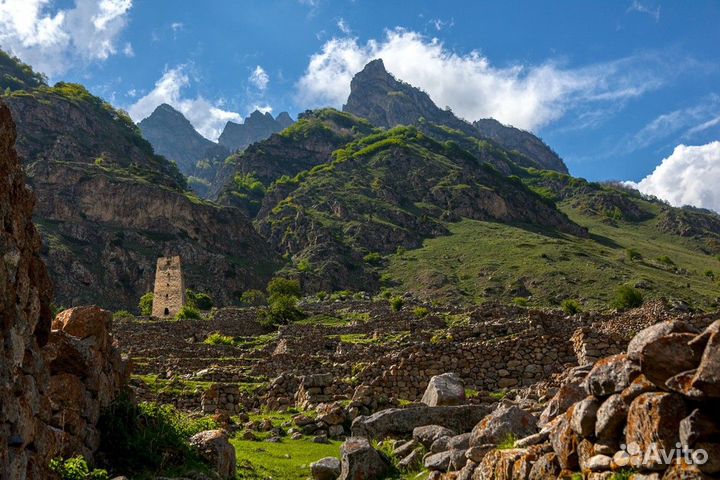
(169, 295)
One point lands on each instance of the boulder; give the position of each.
(568, 394)
(411, 461)
(498, 465)
(84, 322)
(438, 461)
(360, 461)
(445, 389)
(584, 416)
(405, 449)
(461, 441)
(214, 447)
(707, 377)
(654, 332)
(653, 420)
(402, 421)
(506, 420)
(699, 426)
(427, 434)
(611, 418)
(545, 467)
(667, 356)
(327, 468)
(611, 375)
(564, 442)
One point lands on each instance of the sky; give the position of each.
(622, 90)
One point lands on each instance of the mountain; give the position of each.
(15, 75)
(258, 126)
(107, 206)
(173, 136)
(386, 102)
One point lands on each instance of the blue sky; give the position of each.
(614, 86)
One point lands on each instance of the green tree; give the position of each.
(253, 298)
(201, 301)
(146, 304)
(280, 286)
(188, 312)
(627, 297)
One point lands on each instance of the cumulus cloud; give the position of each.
(207, 117)
(528, 97)
(690, 176)
(259, 78)
(52, 40)
(344, 26)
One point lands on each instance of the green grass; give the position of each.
(553, 266)
(287, 460)
(216, 338)
(175, 387)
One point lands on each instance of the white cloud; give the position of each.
(128, 50)
(528, 97)
(52, 40)
(206, 116)
(175, 26)
(259, 78)
(344, 26)
(261, 108)
(690, 176)
(638, 7)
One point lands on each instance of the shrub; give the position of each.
(499, 395)
(396, 303)
(76, 468)
(283, 309)
(283, 287)
(216, 338)
(520, 301)
(201, 301)
(321, 296)
(710, 274)
(571, 307)
(471, 393)
(665, 260)
(146, 304)
(122, 314)
(627, 297)
(148, 437)
(253, 298)
(304, 265)
(372, 258)
(421, 311)
(188, 312)
(633, 255)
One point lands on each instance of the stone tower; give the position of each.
(169, 294)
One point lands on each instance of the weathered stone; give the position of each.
(598, 463)
(215, 447)
(466, 472)
(437, 461)
(545, 467)
(84, 322)
(457, 458)
(611, 418)
(654, 332)
(564, 442)
(667, 356)
(327, 468)
(533, 439)
(405, 448)
(707, 377)
(638, 386)
(506, 420)
(445, 389)
(476, 454)
(360, 461)
(584, 416)
(461, 441)
(498, 465)
(654, 418)
(611, 375)
(402, 421)
(427, 434)
(699, 426)
(440, 445)
(567, 395)
(411, 461)
(682, 471)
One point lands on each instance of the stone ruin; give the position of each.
(169, 292)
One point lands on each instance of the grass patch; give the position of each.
(287, 460)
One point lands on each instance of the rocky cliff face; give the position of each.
(387, 102)
(174, 137)
(258, 126)
(108, 207)
(53, 382)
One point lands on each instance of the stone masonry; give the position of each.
(169, 294)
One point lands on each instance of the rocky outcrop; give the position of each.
(386, 102)
(445, 389)
(258, 126)
(216, 449)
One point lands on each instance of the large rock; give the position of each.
(667, 356)
(570, 392)
(653, 421)
(610, 419)
(438, 461)
(216, 449)
(498, 465)
(611, 375)
(360, 461)
(428, 434)
(564, 442)
(707, 377)
(545, 467)
(699, 426)
(584, 416)
(84, 322)
(445, 389)
(654, 332)
(506, 420)
(327, 468)
(402, 421)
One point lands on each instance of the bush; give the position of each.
(216, 338)
(149, 437)
(372, 258)
(283, 287)
(396, 303)
(283, 309)
(710, 274)
(571, 307)
(627, 297)
(665, 260)
(122, 314)
(146, 304)
(201, 301)
(321, 296)
(421, 311)
(520, 301)
(188, 312)
(304, 265)
(253, 298)
(633, 255)
(76, 468)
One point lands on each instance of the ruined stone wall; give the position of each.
(169, 293)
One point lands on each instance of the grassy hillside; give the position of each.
(481, 261)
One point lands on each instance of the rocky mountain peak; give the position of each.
(284, 120)
(258, 126)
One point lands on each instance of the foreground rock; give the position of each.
(445, 389)
(327, 468)
(402, 421)
(216, 449)
(360, 461)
